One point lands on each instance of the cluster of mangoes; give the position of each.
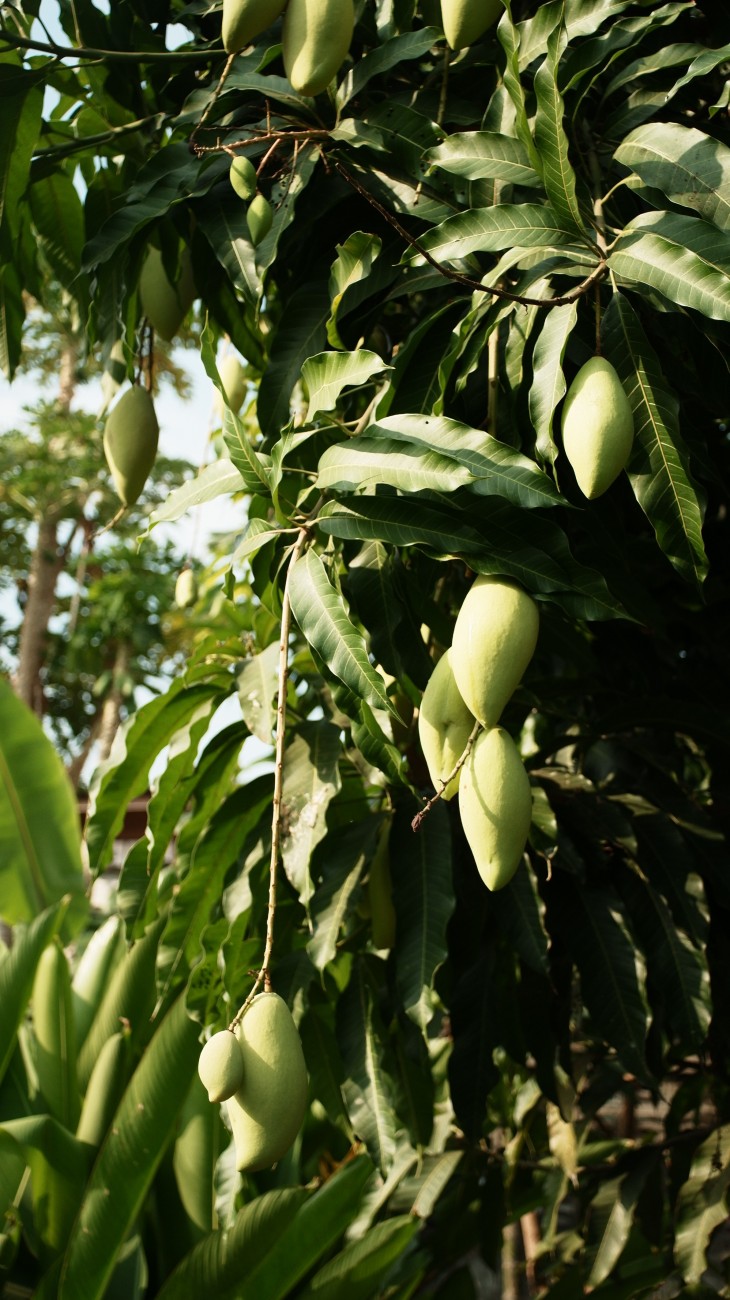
(315, 35)
(258, 1070)
(494, 640)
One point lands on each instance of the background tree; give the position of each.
(523, 1090)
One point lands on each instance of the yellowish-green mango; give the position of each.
(495, 803)
(494, 640)
(259, 218)
(266, 1112)
(444, 726)
(164, 304)
(221, 1066)
(598, 427)
(464, 21)
(186, 589)
(130, 442)
(235, 383)
(242, 175)
(315, 38)
(244, 20)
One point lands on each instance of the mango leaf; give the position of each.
(350, 270)
(343, 859)
(550, 138)
(59, 1166)
(126, 772)
(220, 478)
(659, 467)
(409, 45)
(593, 930)
(311, 778)
(368, 1089)
(360, 464)
(485, 155)
(510, 38)
(424, 900)
(548, 381)
(253, 466)
(362, 1265)
(520, 914)
(703, 64)
(257, 683)
(172, 787)
(495, 469)
(487, 230)
(221, 1259)
(701, 1204)
(129, 1156)
(622, 1195)
(327, 373)
(227, 235)
(686, 259)
(324, 1066)
(320, 612)
(688, 166)
(128, 996)
(17, 971)
(301, 333)
(40, 834)
(58, 217)
(257, 535)
(472, 1072)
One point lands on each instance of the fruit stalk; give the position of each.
(416, 823)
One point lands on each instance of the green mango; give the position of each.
(266, 1112)
(495, 803)
(315, 38)
(598, 427)
(164, 304)
(243, 20)
(464, 21)
(259, 218)
(221, 1066)
(242, 175)
(130, 442)
(444, 725)
(235, 383)
(494, 640)
(186, 589)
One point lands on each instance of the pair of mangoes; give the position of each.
(494, 640)
(258, 1070)
(259, 214)
(315, 35)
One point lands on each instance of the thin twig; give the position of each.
(264, 975)
(416, 823)
(215, 96)
(116, 56)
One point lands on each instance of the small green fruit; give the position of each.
(266, 1112)
(220, 1066)
(598, 427)
(235, 384)
(244, 20)
(130, 442)
(315, 38)
(464, 21)
(495, 803)
(186, 589)
(164, 304)
(494, 640)
(444, 725)
(259, 218)
(242, 175)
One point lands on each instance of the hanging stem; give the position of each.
(416, 823)
(263, 976)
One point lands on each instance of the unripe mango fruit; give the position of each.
(598, 426)
(130, 442)
(221, 1066)
(235, 383)
(259, 218)
(243, 20)
(444, 726)
(464, 21)
(266, 1112)
(164, 304)
(494, 640)
(495, 803)
(242, 175)
(315, 38)
(186, 589)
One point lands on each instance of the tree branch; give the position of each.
(419, 817)
(116, 56)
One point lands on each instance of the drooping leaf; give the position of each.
(701, 1204)
(40, 835)
(363, 1264)
(343, 860)
(220, 478)
(688, 166)
(310, 780)
(485, 155)
(257, 683)
(550, 138)
(423, 897)
(326, 374)
(622, 1194)
(321, 614)
(17, 971)
(659, 467)
(548, 381)
(301, 333)
(686, 259)
(368, 1089)
(349, 277)
(361, 464)
(487, 230)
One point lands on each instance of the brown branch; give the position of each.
(215, 96)
(117, 56)
(419, 817)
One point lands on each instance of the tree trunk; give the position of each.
(45, 566)
(112, 708)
